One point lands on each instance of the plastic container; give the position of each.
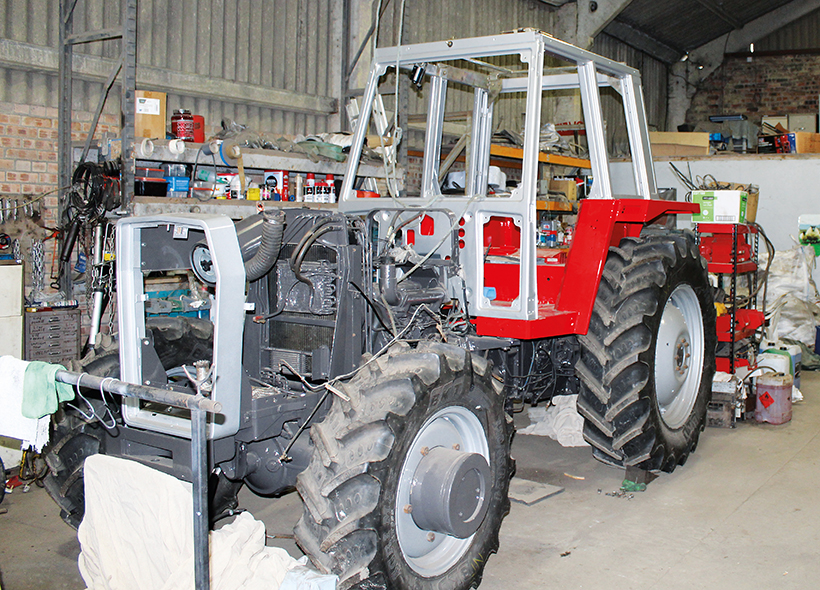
(150, 187)
(142, 172)
(206, 190)
(774, 398)
(182, 125)
(790, 351)
(174, 170)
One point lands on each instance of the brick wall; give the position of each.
(28, 168)
(758, 86)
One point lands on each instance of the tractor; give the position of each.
(372, 355)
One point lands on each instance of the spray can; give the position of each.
(310, 188)
(330, 180)
(285, 186)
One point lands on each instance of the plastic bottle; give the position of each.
(300, 187)
(206, 175)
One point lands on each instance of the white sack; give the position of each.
(138, 533)
(792, 295)
(559, 421)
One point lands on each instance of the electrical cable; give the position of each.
(329, 385)
(440, 242)
(374, 307)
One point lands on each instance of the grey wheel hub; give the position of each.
(449, 492)
(443, 491)
(679, 356)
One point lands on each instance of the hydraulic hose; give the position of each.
(273, 229)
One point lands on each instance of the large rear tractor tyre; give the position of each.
(177, 341)
(648, 359)
(407, 485)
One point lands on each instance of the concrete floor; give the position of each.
(742, 513)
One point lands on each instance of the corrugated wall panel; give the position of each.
(282, 44)
(654, 78)
(459, 18)
(801, 34)
(434, 21)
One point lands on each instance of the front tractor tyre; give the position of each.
(408, 481)
(177, 341)
(648, 359)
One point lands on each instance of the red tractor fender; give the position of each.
(567, 292)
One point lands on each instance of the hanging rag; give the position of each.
(41, 393)
(32, 433)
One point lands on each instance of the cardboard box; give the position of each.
(803, 142)
(720, 206)
(568, 187)
(149, 120)
(666, 143)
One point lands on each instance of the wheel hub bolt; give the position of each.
(408, 509)
(456, 447)
(425, 450)
(682, 356)
(431, 536)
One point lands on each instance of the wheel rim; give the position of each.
(679, 356)
(427, 553)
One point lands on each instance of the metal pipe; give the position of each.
(153, 394)
(199, 469)
(199, 407)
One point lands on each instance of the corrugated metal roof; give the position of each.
(686, 24)
(799, 35)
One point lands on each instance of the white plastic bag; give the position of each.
(791, 296)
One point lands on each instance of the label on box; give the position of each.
(178, 183)
(148, 106)
(720, 206)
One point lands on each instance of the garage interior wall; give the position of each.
(781, 77)
(293, 46)
(237, 43)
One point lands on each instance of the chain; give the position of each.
(16, 252)
(110, 261)
(90, 270)
(38, 269)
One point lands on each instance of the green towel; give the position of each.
(41, 393)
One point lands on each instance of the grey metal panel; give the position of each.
(268, 43)
(804, 33)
